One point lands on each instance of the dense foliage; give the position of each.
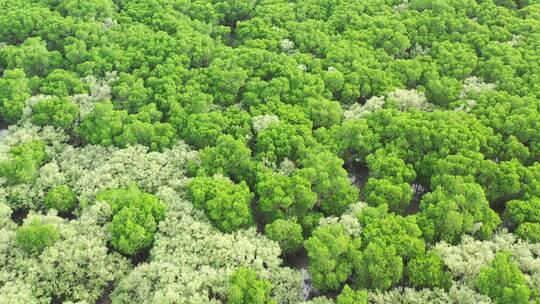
(270, 151)
(245, 288)
(135, 217)
(61, 198)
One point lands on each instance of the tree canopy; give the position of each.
(269, 151)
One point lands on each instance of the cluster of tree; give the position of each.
(273, 119)
(460, 161)
(106, 126)
(388, 249)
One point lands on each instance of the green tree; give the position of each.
(98, 10)
(57, 112)
(385, 191)
(501, 181)
(350, 296)
(230, 157)
(333, 81)
(14, 91)
(442, 90)
(524, 215)
(32, 56)
(225, 79)
(330, 182)
(157, 136)
(529, 231)
(102, 125)
(129, 93)
(226, 204)
(287, 233)
(310, 222)
(34, 236)
(147, 113)
(387, 228)
(456, 208)
(132, 230)
(427, 271)
(282, 196)
(106, 126)
(521, 211)
(280, 141)
(231, 11)
(246, 288)
(381, 266)
(457, 60)
(202, 130)
(324, 112)
(503, 282)
(333, 255)
(61, 198)
(24, 162)
(387, 165)
(135, 218)
(145, 128)
(239, 123)
(62, 83)
(77, 55)
(19, 23)
(353, 140)
(132, 196)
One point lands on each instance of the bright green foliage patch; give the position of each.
(503, 282)
(330, 182)
(454, 209)
(381, 266)
(333, 256)
(14, 91)
(427, 270)
(135, 218)
(57, 112)
(230, 157)
(61, 198)
(107, 126)
(226, 204)
(351, 296)
(62, 83)
(282, 196)
(246, 288)
(24, 162)
(35, 236)
(339, 149)
(287, 233)
(525, 215)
